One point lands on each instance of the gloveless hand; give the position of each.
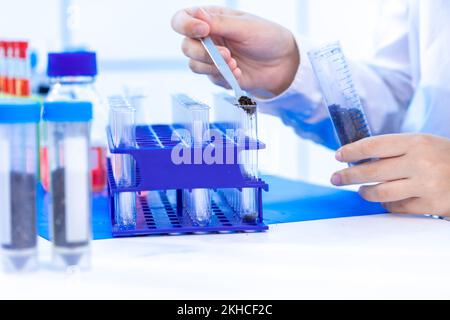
(262, 55)
(413, 173)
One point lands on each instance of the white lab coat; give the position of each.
(404, 88)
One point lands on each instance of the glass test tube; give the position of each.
(139, 98)
(68, 125)
(248, 158)
(122, 124)
(228, 117)
(243, 120)
(343, 102)
(18, 182)
(194, 117)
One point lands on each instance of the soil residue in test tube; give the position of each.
(350, 124)
(23, 209)
(247, 104)
(23, 216)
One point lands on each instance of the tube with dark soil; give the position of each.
(23, 212)
(247, 104)
(350, 124)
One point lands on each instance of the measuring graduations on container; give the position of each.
(341, 98)
(18, 181)
(68, 125)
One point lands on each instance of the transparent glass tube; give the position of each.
(70, 177)
(140, 99)
(194, 117)
(243, 122)
(248, 202)
(340, 95)
(18, 181)
(228, 116)
(122, 125)
(200, 206)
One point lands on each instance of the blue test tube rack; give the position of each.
(160, 183)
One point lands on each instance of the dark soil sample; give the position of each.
(246, 101)
(247, 104)
(249, 218)
(350, 124)
(23, 212)
(59, 213)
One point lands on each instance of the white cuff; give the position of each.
(304, 86)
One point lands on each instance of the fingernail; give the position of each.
(339, 156)
(200, 30)
(336, 180)
(223, 52)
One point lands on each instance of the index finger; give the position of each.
(386, 146)
(184, 23)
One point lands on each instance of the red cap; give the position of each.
(8, 45)
(3, 44)
(22, 47)
(3, 47)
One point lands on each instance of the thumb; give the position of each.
(227, 26)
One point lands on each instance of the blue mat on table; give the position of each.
(287, 201)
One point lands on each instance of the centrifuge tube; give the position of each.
(18, 183)
(68, 125)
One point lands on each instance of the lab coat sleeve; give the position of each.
(384, 84)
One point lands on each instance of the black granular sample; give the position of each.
(59, 212)
(246, 101)
(23, 211)
(249, 218)
(350, 124)
(247, 104)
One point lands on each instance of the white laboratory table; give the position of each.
(375, 257)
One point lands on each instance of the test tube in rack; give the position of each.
(227, 117)
(122, 127)
(193, 116)
(242, 120)
(249, 159)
